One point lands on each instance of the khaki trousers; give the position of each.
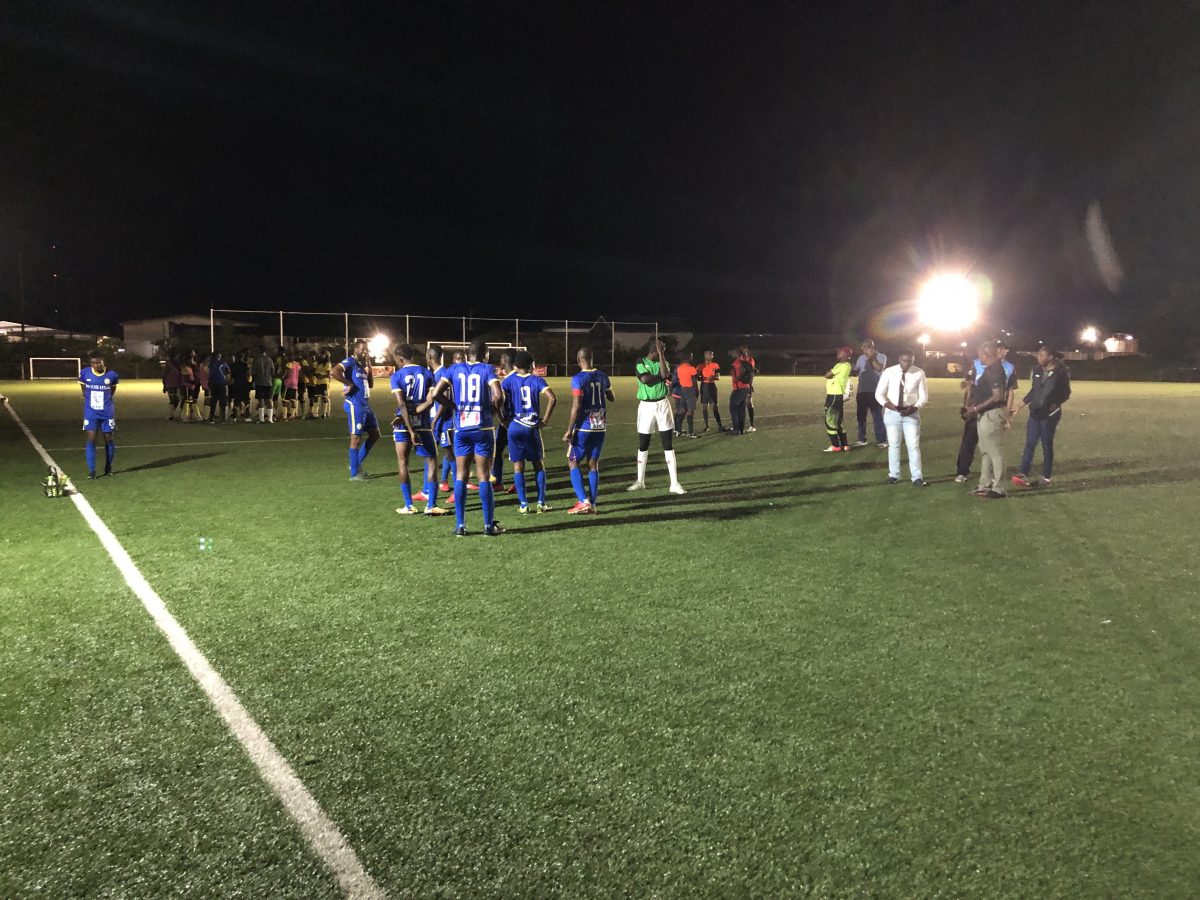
(991, 450)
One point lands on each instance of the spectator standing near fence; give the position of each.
(868, 367)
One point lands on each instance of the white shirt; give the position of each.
(893, 383)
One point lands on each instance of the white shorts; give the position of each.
(655, 415)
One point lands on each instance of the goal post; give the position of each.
(51, 367)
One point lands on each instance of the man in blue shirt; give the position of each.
(523, 401)
(473, 389)
(411, 384)
(354, 373)
(219, 376)
(867, 368)
(99, 386)
(591, 391)
(506, 369)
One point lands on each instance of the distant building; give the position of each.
(15, 331)
(142, 335)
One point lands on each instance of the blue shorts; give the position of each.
(359, 416)
(424, 442)
(445, 435)
(95, 423)
(476, 442)
(586, 445)
(524, 443)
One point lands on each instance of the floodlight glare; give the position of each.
(1090, 335)
(378, 346)
(923, 340)
(948, 302)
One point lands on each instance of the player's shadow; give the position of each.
(727, 514)
(166, 461)
(1149, 478)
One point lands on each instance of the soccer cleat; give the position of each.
(444, 487)
(882, 445)
(582, 507)
(705, 431)
(544, 507)
(471, 486)
(361, 476)
(890, 480)
(460, 531)
(435, 511)
(959, 479)
(1045, 482)
(91, 476)
(450, 500)
(979, 492)
(677, 489)
(523, 510)
(750, 429)
(995, 495)
(420, 497)
(108, 473)
(918, 482)
(832, 450)
(1021, 481)
(637, 486)
(406, 511)
(494, 530)
(511, 489)
(860, 443)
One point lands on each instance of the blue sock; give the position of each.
(89, 450)
(488, 499)
(406, 491)
(363, 451)
(541, 484)
(577, 483)
(498, 470)
(110, 453)
(460, 502)
(446, 465)
(594, 483)
(431, 493)
(353, 461)
(519, 481)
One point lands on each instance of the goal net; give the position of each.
(65, 367)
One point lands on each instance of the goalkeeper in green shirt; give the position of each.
(655, 414)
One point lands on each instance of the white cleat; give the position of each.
(406, 511)
(677, 489)
(637, 486)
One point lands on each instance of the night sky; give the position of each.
(745, 166)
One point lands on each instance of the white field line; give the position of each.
(319, 830)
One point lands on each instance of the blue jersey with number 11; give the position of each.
(591, 387)
(472, 395)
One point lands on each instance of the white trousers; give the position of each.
(910, 428)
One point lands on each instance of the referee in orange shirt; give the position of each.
(710, 373)
(686, 374)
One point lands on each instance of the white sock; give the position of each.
(672, 470)
(271, 414)
(262, 414)
(643, 456)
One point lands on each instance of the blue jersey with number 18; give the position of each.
(592, 387)
(472, 396)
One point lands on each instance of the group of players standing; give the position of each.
(463, 411)
(280, 386)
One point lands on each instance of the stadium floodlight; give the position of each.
(378, 346)
(1090, 335)
(923, 340)
(948, 302)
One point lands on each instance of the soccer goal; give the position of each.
(63, 367)
(448, 347)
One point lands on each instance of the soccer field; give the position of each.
(794, 680)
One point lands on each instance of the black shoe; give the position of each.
(91, 476)
(108, 473)
(996, 495)
(460, 531)
(918, 482)
(494, 530)
(893, 480)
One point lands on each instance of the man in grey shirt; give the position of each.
(262, 370)
(867, 369)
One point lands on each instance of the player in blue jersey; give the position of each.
(354, 373)
(522, 406)
(505, 369)
(474, 390)
(442, 432)
(99, 386)
(591, 392)
(411, 384)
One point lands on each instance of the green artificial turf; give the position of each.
(794, 679)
